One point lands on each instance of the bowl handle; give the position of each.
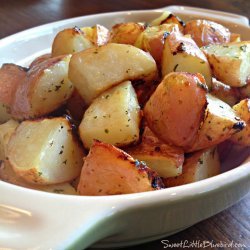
(213, 14)
(38, 220)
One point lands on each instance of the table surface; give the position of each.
(232, 224)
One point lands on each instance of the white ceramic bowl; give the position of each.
(37, 220)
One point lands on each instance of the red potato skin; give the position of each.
(11, 76)
(175, 110)
(20, 105)
(39, 60)
(207, 32)
(108, 170)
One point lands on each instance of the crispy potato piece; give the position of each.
(199, 166)
(224, 92)
(230, 63)
(176, 108)
(45, 88)
(95, 70)
(152, 39)
(108, 170)
(168, 18)
(113, 117)
(166, 160)
(205, 32)
(45, 151)
(242, 109)
(97, 34)
(4, 113)
(69, 41)
(181, 54)
(6, 130)
(220, 123)
(76, 106)
(40, 59)
(126, 33)
(7, 174)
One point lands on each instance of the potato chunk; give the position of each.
(199, 166)
(11, 76)
(230, 62)
(224, 92)
(6, 130)
(126, 33)
(220, 123)
(69, 41)
(206, 32)
(181, 54)
(152, 40)
(45, 88)
(95, 70)
(242, 109)
(113, 117)
(176, 108)
(108, 170)
(45, 151)
(166, 160)
(7, 174)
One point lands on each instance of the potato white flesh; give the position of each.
(45, 151)
(97, 34)
(45, 88)
(220, 123)
(113, 117)
(7, 174)
(230, 62)
(69, 41)
(126, 33)
(95, 70)
(108, 170)
(181, 54)
(176, 108)
(168, 18)
(242, 109)
(205, 32)
(6, 130)
(11, 75)
(166, 160)
(224, 92)
(152, 39)
(199, 166)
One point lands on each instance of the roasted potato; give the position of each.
(95, 70)
(230, 63)
(168, 18)
(69, 41)
(181, 54)
(220, 123)
(126, 33)
(40, 59)
(45, 151)
(45, 88)
(235, 37)
(108, 170)
(198, 166)
(97, 34)
(166, 160)
(7, 174)
(205, 32)
(11, 76)
(176, 108)
(242, 109)
(6, 130)
(113, 117)
(224, 92)
(152, 40)
(245, 91)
